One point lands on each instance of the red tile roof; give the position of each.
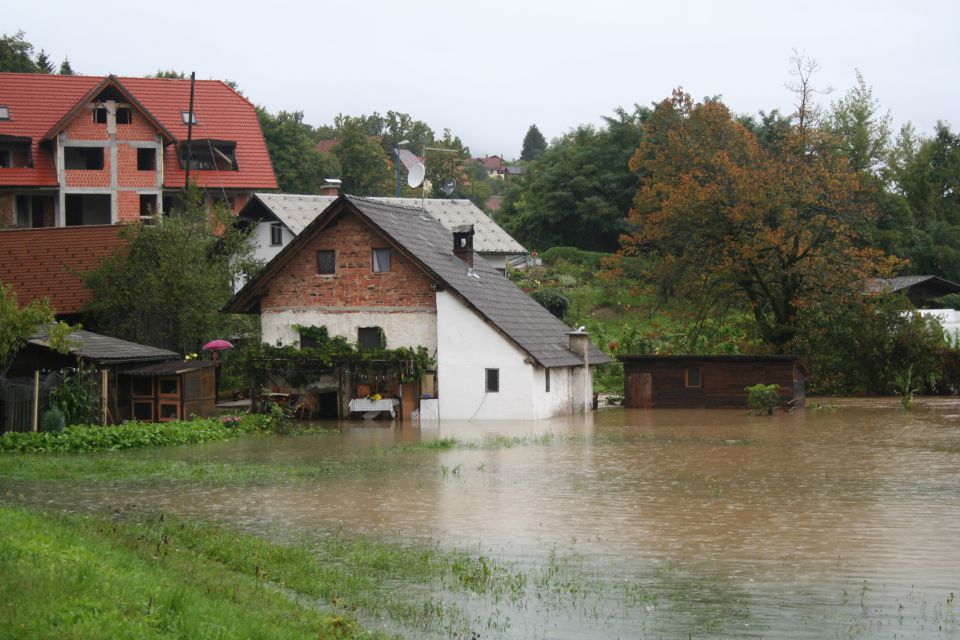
(38, 263)
(38, 102)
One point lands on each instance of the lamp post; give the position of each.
(397, 149)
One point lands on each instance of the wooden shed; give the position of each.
(173, 390)
(707, 382)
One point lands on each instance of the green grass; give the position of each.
(72, 577)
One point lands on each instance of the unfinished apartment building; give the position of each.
(81, 150)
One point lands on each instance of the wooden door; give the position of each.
(640, 391)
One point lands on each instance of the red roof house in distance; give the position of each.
(82, 150)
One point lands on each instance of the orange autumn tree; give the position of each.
(775, 228)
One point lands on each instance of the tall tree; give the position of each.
(44, 63)
(533, 144)
(579, 191)
(863, 132)
(65, 68)
(16, 54)
(719, 216)
(299, 167)
(167, 285)
(364, 168)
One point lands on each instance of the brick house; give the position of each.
(87, 150)
(366, 267)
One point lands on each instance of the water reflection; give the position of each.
(823, 523)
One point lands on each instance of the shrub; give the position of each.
(53, 420)
(552, 300)
(763, 398)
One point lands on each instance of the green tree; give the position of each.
(364, 168)
(65, 68)
(16, 54)
(44, 64)
(533, 144)
(579, 191)
(18, 324)
(167, 285)
(169, 73)
(863, 133)
(299, 167)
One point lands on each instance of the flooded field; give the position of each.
(834, 523)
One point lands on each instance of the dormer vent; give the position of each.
(463, 243)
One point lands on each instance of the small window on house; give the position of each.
(493, 380)
(169, 386)
(276, 235)
(370, 338)
(4, 112)
(124, 115)
(100, 115)
(692, 377)
(146, 159)
(546, 376)
(308, 341)
(185, 115)
(381, 260)
(6, 158)
(86, 158)
(210, 155)
(142, 386)
(326, 262)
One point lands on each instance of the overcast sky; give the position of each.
(487, 70)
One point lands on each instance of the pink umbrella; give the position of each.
(217, 345)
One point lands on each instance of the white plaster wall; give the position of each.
(401, 327)
(262, 249)
(495, 260)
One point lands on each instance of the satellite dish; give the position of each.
(415, 176)
(449, 186)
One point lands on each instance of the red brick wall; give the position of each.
(127, 174)
(354, 284)
(90, 177)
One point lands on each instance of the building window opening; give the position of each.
(100, 115)
(146, 159)
(276, 234)
(185, 116)
(4, 112)
(124, 115)
(381, 260)
(210, 155)
(148, 207)
(83, 158)
(693, 377)
(546, 376)
(371, 338)
(84, 209)
(493, 380)
(326, 262)
(6, 159)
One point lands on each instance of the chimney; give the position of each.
(331, 187)
(580, 345)
(463, 243)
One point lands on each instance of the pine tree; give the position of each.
(66, 69)
(44, 64)
(533, 144)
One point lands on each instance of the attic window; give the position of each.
(276, 234)
(124, 115)
(100, 115)
(4, 112)
(381, 260)
(185, 115)
(212, 155)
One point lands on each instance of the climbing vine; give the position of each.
(302, 366)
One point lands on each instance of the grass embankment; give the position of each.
(143, 576)
(131, 435)
(83, 577)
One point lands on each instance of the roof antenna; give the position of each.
(193, 81)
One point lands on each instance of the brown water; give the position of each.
(818, 524)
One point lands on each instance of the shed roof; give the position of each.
(170, 368)
(891, 285)
(429, 243)
(106, 350)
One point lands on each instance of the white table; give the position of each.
(373, 407)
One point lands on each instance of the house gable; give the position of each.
(354, 284)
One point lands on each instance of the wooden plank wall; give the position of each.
(722, 383)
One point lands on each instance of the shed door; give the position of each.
(641, 391)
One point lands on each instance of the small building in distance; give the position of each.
(708, 382)
(922, 291)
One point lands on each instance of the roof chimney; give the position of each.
(463, 243)
(331, 187)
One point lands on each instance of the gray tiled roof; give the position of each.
(516, 314)
(297, 211)
(104, 349)
(890, 285)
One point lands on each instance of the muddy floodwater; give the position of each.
(835, 523)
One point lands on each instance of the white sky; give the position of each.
(487, 70)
